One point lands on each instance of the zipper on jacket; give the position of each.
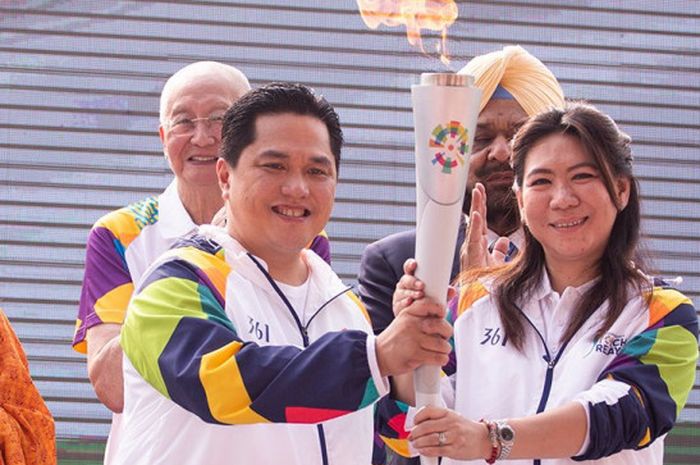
(322, 440)
(304, 331)
(551, 364)
(549, 375)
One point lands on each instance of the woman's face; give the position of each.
(564, 201)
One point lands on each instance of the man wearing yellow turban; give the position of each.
(515, 85)
(519, 73)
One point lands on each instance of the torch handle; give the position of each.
(427, 376)
(434, 259)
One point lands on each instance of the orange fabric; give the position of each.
(27, 434)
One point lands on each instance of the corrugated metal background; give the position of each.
(79, 87)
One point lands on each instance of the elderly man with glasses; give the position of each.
(123, 243)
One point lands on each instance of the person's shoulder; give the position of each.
(663, 300)
(198, 249)
(400, 238)
(195, 258)
(474, 297)
(401, 243)
(128, 222)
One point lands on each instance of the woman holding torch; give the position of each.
(571, 352)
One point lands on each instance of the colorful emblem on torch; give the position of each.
(452, 146)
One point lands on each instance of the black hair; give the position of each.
(621, 264)
(238, 129)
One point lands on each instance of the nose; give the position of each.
(499, 149)
(563, 197)
(295, 186)
(202, 135)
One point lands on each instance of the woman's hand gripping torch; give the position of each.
(445, 110)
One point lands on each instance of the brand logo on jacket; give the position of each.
(610, 344)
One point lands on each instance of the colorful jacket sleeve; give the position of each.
(107, 284)
(390, 413)
(639, 396)
(180, 340)
(322, 246)
(27, 435)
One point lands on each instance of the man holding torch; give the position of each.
(514, 85)
(241, 346)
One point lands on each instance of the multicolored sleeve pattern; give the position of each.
(641, 393)
(107, 284)
(322, 246)
(390, 414)
(179, 339)
(389, 420)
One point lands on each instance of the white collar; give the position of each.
(545, 287)
(322, 277)
(172, 216)
(517, 236)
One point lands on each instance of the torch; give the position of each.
(445, 109)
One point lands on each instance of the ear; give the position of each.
(223, 175)
(161, 134)
(623, 192)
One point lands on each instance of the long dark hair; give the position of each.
(620, 264)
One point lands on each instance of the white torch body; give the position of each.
(445, 110)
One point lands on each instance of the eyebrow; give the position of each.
(488, 124)
(584, 164)
(275, 154)
(482, 127)
(178, 109)
(518, 124)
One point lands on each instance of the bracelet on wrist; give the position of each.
(492, 432)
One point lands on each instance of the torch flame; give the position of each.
(434, 15)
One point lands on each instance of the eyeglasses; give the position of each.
(185, 126)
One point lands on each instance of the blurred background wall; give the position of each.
(79, 88)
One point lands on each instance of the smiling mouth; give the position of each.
(569, 224)
(291, 212)
(202, 159)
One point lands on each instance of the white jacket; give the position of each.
(652, 347)
(165, 426)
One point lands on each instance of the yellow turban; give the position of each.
(525, 77)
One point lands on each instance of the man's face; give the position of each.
(280, 194)
(192, 148)
(489, 163)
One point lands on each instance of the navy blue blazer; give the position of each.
(381, 267)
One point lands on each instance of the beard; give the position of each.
(501, 206)
(501, 202)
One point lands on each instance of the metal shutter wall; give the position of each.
(79, 87)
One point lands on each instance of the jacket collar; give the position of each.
(545, 288)
(324, 282)
(517, 236)
(172, 216)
